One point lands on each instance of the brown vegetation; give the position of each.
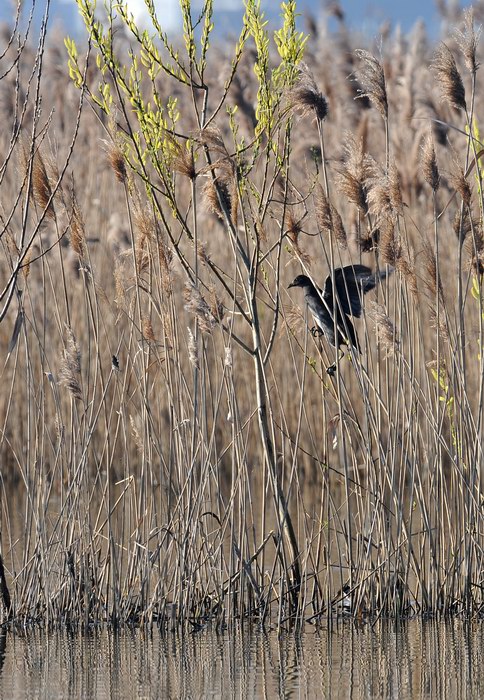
(166, 423)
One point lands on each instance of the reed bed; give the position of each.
(172, 449)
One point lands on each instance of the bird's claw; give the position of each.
(316, 332)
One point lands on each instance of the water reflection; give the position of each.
(415, 660)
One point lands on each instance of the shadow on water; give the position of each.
(414, 660)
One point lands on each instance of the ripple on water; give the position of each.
(411, 660)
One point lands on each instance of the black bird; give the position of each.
(351, 283)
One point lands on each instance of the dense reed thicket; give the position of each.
(172, 448)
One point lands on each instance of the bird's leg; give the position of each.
(332, 368)
(316, 332)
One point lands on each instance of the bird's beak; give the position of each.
(291, 285)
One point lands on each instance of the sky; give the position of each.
(365, 15)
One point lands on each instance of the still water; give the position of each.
(414, 660)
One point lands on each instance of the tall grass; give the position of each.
(178, 451)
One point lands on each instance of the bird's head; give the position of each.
(300, 281)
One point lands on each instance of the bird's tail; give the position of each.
(368, 283)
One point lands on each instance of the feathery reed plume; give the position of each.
(386, 333)
(432, 279)
(192, 349)
(221, 193)
(468, 40)
(406, 267)
(462, 224)
(41, 188)
(430, 168)
(216, 307)
(293, 231)
(459, 182)
(196, 304)
(294, 321)
(328, 218)
(394, 253)
(217, 197)
(184, 161)
(390, 244)
(293, 226)
(369, 241)
(447, 74)
(372, 80)
(350, 177)
(383, 190)
(395, 189)
(203, 254)
(147, 330)
(167, 324)
(136, 433)
(117, 160)
(70, 371)
(145, 227)
(119, 280)
(78, 234)
(144, 223)
(211, 136)
(142, 254)
(305, 96)
(165, 257)
(440, 323)
(26, 264)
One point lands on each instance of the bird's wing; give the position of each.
(351, 283)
